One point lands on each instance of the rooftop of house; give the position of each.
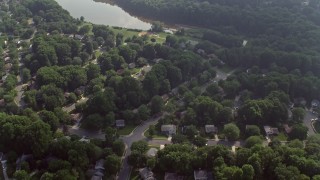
(168, 128)
(120, 123)
(315, 103)
(271, 130)
(202, 175)
(152, 152)
(99, 165)
(146, 174)
(210, 128)
(132, 65)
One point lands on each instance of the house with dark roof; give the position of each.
(98, 170)
(210, 129)
(202, 175)
(120, 123)
(169, 129)
(146, 174)
(271, 130)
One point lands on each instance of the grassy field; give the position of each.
(156, 136)
(126, 130)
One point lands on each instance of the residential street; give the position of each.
(136, 135)
(307, 121)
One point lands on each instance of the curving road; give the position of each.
(136, 135)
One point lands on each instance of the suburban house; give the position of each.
(146, 174)
(202, 175)
(79, 37)
(131, 65)
(152, 152)
(315, 103)
(271, 130)
(210, 129)
(169, 129)
(120, 123)
(98, 171)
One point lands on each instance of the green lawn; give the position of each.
(156, 136)
(317, 126)
(126, 32)
(154, 146)
(126, 130)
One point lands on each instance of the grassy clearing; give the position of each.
(317, 126)
(154, 146)
(155, 136)
(126, 130)
(126, 32)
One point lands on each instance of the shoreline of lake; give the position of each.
(104, 13)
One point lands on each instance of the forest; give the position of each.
(251, 64)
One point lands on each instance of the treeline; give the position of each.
(290, 161)
(283, 33)
(54, 156)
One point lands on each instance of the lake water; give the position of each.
(103, 13)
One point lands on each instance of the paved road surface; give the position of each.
(219, 76)
(136, 135)
(307, 121)
(73, 106)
